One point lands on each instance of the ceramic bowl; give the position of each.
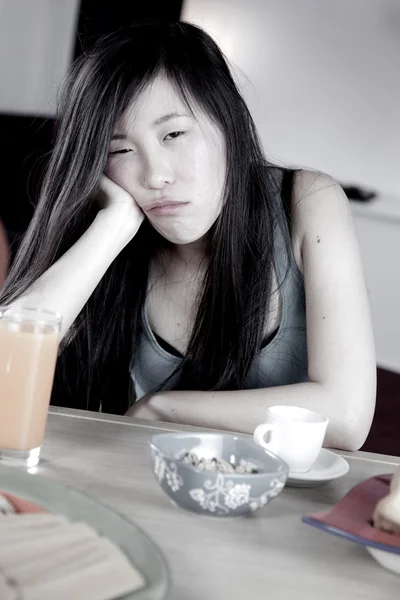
(351, 519)
(214, 493)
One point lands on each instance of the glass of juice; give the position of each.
(29, 340)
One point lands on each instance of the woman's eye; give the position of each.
(124, 151)
(174, 134)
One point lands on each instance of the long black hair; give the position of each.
(96, 353)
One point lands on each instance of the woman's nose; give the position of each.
(157, 174)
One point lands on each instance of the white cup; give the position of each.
(294, 434)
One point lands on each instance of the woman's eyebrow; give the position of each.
(168, 117)
(119, 136)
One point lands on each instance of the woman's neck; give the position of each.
(188, 257)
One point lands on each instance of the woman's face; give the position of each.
(175, 166)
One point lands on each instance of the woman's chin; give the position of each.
(180, 238)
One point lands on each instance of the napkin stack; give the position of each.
(45, 557)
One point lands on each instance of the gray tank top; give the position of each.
(283, 361)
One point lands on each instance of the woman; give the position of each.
(183, 263)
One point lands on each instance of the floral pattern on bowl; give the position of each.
(167, 470)
(224, 494)
(215, 493)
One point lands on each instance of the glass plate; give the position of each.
(75, 506)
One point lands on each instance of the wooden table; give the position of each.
(271, 554)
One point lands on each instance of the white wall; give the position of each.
(326, 77)
(36, 47)
(381, 269)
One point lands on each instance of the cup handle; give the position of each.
(260, 432)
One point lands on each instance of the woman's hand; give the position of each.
(119, 206)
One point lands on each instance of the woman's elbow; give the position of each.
(352, 408)
(349, 433)
(352, 441)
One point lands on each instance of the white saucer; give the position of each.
(328, 466)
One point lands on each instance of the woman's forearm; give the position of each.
(243, 410)
(67, 285)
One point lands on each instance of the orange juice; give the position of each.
(28, 355)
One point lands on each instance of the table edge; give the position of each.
(174, 427)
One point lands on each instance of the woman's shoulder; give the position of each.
(302, 190)
(315, 198)
(307, 181)
(310, 191)
(302, 181)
